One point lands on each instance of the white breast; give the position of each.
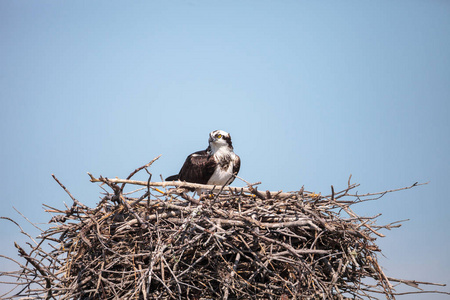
(222, 176)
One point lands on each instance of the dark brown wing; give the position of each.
(236, 167)
(197, 168)
(173, 177)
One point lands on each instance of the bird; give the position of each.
(216, 165)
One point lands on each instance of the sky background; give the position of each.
(310, 91)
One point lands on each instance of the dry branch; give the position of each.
(234, 243)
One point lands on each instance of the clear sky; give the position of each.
(311, 92)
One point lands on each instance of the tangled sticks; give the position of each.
(234, 243)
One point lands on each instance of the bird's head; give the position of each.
(219, 139)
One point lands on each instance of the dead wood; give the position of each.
(234, 243)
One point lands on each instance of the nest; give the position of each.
(230, 243)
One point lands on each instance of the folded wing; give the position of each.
(197, 168)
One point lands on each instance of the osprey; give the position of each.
(214, 166)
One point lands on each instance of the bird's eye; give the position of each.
(219, 136)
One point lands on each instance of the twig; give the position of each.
(38, 268)
(138, 169)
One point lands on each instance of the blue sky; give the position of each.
(311, 92)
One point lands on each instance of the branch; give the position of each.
(183, 184)
(389, 191)
(140, 168)
(48, 284)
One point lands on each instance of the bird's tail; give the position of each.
(173, 178)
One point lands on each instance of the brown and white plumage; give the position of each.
(214, 166)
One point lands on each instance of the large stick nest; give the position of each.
(231, 243)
